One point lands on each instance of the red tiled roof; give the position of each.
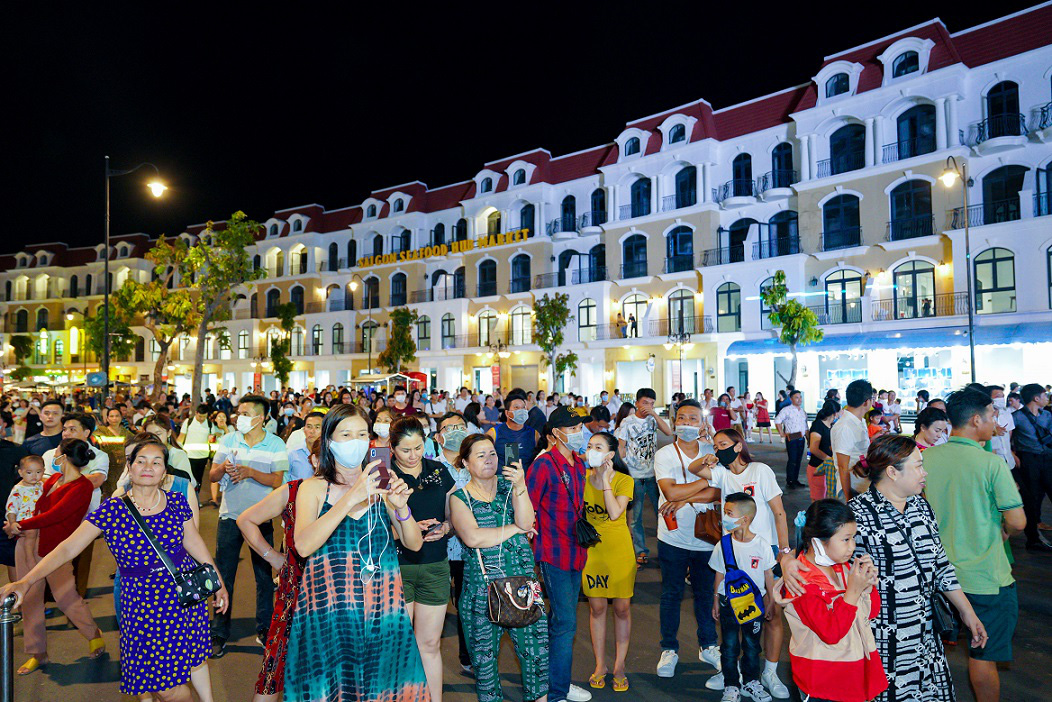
(580, 165)
(761, 114)
(1007, 37)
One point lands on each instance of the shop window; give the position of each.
(914, 290)
(728, 308)
(423, 333)
(521, 326)
(995, 281)
(843, 298)
(586, 320)
(681, 313)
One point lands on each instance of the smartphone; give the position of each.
(433, 528)
(511, 453)
(383, 454)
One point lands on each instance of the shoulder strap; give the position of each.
(683, 465)
(728, 552)
(161, 554)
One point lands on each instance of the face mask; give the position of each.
(580, 403)
(726, 456)
(605, 397)
(382, 430)
(999, 403)
(520, 416)
(595, 458)
(688, 433)
(723, 404)
(399, 398)
(34, 403)
(349, 454)
(566, 401)
(820, 554)
(574, 442)
(452, 438)
(729, 524)
(56, 466)
(289, 411)
(244, 423)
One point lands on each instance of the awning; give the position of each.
(924, 338)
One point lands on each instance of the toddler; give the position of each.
(23, 500)
(875, 426)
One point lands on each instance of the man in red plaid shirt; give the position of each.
(556, 485)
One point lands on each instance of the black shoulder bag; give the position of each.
(192, 586)
(587, 535)
(943, 621)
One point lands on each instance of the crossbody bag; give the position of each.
(708, 525)
(586, 534)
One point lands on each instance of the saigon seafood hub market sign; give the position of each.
(514, 237)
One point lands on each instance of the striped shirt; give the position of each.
(268, 456)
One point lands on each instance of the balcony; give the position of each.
(910, 227)
(777, 184)
(594, 218)
(334, 305)
(679, 263)
(562, 227)
(518, 285)
(842, 163)
(486, 289)
(727, 254)
(332, 265)
(839, 312)
(435, 295)
(635, 269)
(676, 202)
(736, 192)
(593, 274)
(943, 305)
(685, 324)
(908, 148)
(1043, 123)
(984, 213)
(1000, 133)
(1042, 205)
(636, 209)
(777, 246)
(546, 280)
(606, 332)
(841, 238)
(397, 299)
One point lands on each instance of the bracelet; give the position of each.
(520, 493)
(402, 519)
(264, 555)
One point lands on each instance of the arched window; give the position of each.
(487, 278)
(378, 245)
(632, 146)
(369, 330)
(42, 318)
(459, 285)
(1001, 194)
(438, 235)
(782, 173)
(765, 311)
(995, 281)
(783, 233)
(493, 223)
(911, 210)
(60, 350)
(916, 133)
(847, 150)
(838, 85)
(279, 263)
(519, 177)
(22, 321)
(633, 309)
(334, 257)
(273, 300)
(398, 290)
(242, 344)
(741, 176)
(210, 348)
(598, 212)
(687, 187)
(841, 226)
(449, 331)
(402, 241)
(460, 230)
(520, 274)
(398, 205)
(586, 320)
(640, 194)
(423, 333)
(596, 265)
(296, 298)
(297, 225)
(371, 294)
(74, 288)
(526, 219)
(905, 63)
(634, 257)
(677, 134)
(140, 350)
(257, 262)
(253, 306)
(733, 244)
(843, 298)
(273, 230)
(914, 290)
(43, 349)
(352, 253)
(568, 214)
(370, 211)
(87, 285)
(566, 263)
(521, 326)
(728, 308)
(337, 338)
(1002, 112)
(317, 340)
(681, 312)
(679, 246)
(487, 185)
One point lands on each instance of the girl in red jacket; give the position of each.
(833, 653)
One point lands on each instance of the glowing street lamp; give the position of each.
(949, 177)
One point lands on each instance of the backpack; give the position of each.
(742, 594)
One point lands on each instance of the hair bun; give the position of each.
(91, 455)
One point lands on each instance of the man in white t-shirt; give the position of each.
(462, 401)
(434, 408)
(683, 496)
(194, 436)
(849, 437)
(739, 409)
(1002, 440)
(612, 402)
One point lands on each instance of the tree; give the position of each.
(218, 264)
(401, 349)
(22, 373)
(22, 347)
(280, 349)
(798, 324)
(551, 315)
(122, 338)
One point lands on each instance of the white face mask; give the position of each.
(399, 398)
(595, 458)
(821, 558)
(244, 423)
(382, 430)
(1000, 403)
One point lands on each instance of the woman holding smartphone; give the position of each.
(425, 572)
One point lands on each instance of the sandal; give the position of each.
(620, 683)
(597, 681)
(31, 665)
(96, 647)
(641, 560)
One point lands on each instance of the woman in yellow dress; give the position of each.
(610, 572)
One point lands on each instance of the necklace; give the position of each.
(149, 509)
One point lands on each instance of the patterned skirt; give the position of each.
(272, 673)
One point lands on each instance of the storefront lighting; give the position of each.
(668, 347)
(688, 347)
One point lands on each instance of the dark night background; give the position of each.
(260, 112)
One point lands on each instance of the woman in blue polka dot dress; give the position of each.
(160, 643)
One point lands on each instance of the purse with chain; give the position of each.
(192, 586)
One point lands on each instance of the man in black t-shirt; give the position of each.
(51, 435)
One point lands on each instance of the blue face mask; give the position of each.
(349, 454)
(56, 466)
(729, 524)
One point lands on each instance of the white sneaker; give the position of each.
(666, 667)
(754, 690)
(771, 682)
(730, 694)
(578, 694)
(715, 682)
(710, 655)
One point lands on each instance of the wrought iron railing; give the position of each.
(1045, 119)
(679, 263)
(910, 227)
(839, 312)
(685, 324)
(1007, 125)
(592, 274)
(902, 307)
(736, 187)
(780, 178)
(635, 269)
(842, 163)
(908, 148)
(984, 213)
(726, 254)
(486, 289)
(546, 280)
(1042, 204)
(635, 209)
(678, 201)
(562, 224)
(841, 238)
(593, 218)
(518, 285)
(777, 246)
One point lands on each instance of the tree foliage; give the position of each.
(551, 316)
(22, 346)
(22, 373)
(280, 349)
(122, 338)
(797, 324)
(401, 349)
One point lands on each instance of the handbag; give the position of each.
(191, 586)
(708, 525)
(587, 535)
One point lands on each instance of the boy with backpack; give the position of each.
(744, 585)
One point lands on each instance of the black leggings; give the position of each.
(1035, 483)
(197, 467)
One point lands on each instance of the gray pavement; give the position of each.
(72, 677)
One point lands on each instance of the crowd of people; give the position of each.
(513, 506)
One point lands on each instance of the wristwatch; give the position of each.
(785, 550)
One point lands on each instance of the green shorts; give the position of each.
(999, 614)
(427, 584)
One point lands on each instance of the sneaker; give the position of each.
(578, 694)
(465, 669)
(259, 640)
(666, 667)
(218, 648)
(754, 690)
(730, 694)
(771, 682)
(715, 682)
(710, 655)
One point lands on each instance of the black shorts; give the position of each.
(7, 550)
(999, 614)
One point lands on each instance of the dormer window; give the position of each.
(519, 178)
(122, 251)
(905, 63)
(632, 146)
(838, 85)
(273, 230)
(677, 134)
(297, 225)
(398, 205)
(370, 211)
(487, 185)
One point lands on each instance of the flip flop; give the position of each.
(96, 647)
(597, 681)
(620, 683)
(31, 665)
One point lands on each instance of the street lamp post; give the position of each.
(681, 341)
(157, 189)
(948, 178)
(365, 292)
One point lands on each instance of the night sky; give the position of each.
(262, 112)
